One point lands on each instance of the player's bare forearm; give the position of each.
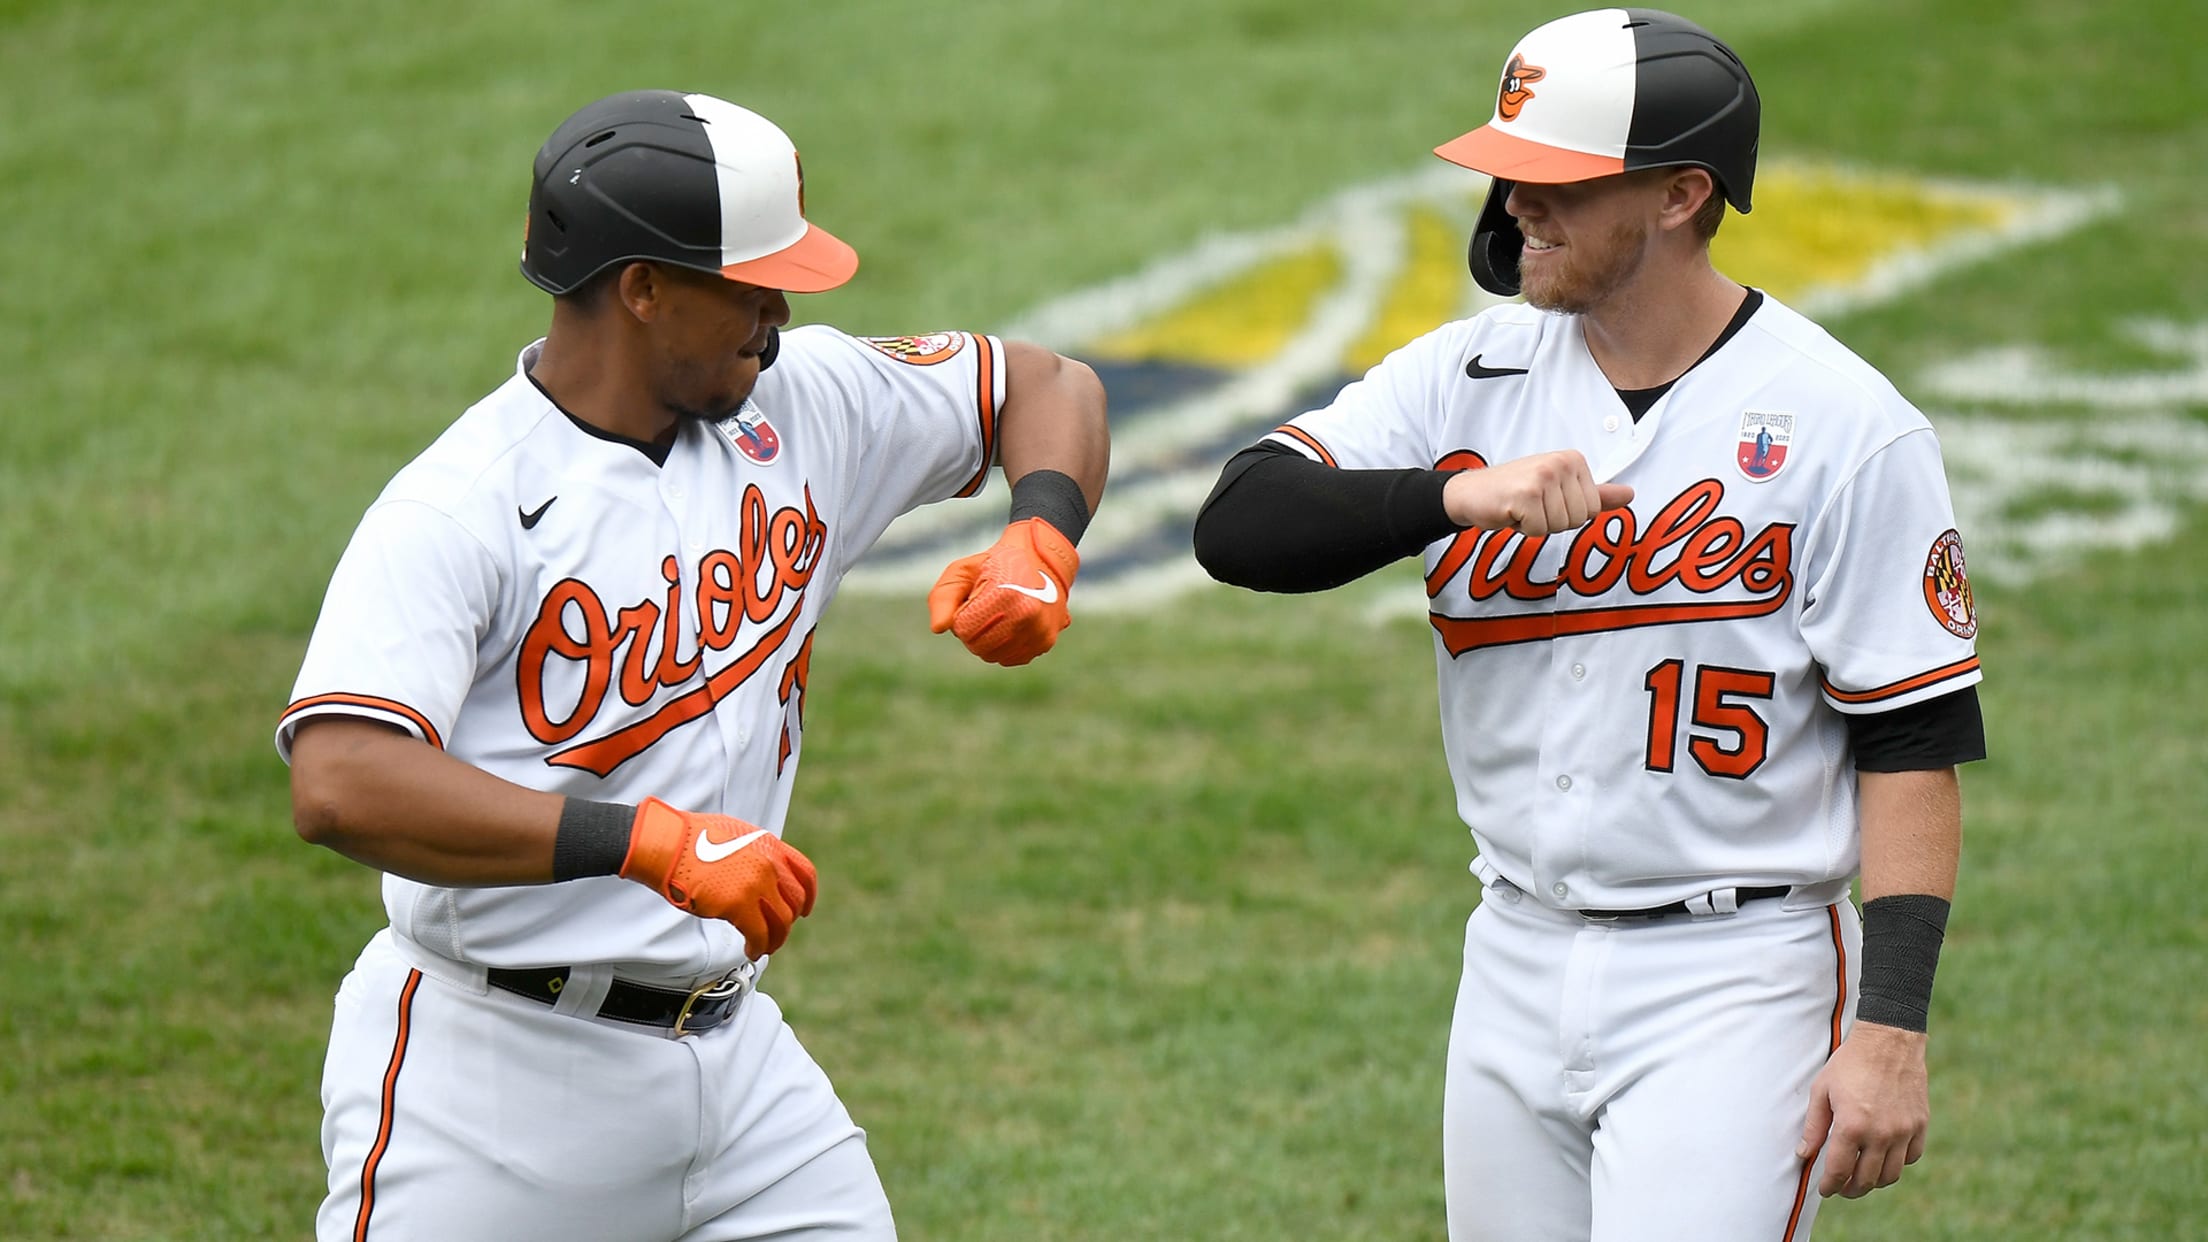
(382, 798)
(1912, 832)
(1053, 419)
(1870, 1108)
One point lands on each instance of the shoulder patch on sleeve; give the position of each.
(920, 351)
(1947, 588)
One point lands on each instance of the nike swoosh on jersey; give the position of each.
(1047, 593)
(1473, 370)
(715, 851)
(529, 520)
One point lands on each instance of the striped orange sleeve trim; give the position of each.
(390, 1097)
(1306, 439)
(393, 706)
(985, 404)
(1839, 1014)
(1896, 689)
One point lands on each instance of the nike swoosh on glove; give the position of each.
(719, 867)
(1008, 604)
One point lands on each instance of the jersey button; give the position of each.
(1564, 783)
(1561, 889)
(1610, 423)
(674, 493)
(1579, 672)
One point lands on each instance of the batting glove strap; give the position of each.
(719, 867)
(1902, 935)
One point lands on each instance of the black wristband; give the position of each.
(1054, 497)
(1901, 949)
(593, 839)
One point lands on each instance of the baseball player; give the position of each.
(1705, 648)
(557, 695)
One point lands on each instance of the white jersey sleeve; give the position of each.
(1888, 614)
(397, 637)
(916, 416)
(1391, 418)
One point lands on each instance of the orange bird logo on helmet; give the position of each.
(1516, 75)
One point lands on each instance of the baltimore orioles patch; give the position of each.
(1947, 589)
(919, 350)
(1764, 437)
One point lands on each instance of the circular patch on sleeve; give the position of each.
(1947, 587)
(920, 351)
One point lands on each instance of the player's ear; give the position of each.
(1685, 189)
(641, 289)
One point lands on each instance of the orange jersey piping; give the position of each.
(429, 731)
(1904, 686)
(986, 404)
(1309, 441)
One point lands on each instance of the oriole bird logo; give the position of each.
(1514, 95)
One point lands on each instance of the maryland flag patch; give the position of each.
(1947, 588)
(920, 351)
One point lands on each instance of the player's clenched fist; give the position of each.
(1009, 603)
(1536, 496)
(719, 867)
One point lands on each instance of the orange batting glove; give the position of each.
(1009, 603)
(719, 867)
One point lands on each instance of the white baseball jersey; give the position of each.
(1651, 706)
(544, 602)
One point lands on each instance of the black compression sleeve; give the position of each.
(1922, 737)
(1278, 521)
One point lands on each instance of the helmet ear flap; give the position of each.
(1496, 244)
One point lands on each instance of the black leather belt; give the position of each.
(686, 1013)
(1741, 896)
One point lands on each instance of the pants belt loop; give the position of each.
(1715, 902)
(583, 992)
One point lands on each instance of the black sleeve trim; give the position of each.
(1278, 521)
(1922, 737)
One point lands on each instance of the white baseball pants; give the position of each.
(453, 1110)
(1640, 1081)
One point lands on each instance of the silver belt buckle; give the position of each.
(735, 983)
(1599, 916)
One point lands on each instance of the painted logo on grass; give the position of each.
(1206, 350)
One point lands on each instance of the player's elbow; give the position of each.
(1234, 542)
(326, 792)
(317, 807)
(1215, 551)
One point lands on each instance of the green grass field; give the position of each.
(1156, 939)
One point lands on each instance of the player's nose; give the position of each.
(774, 312)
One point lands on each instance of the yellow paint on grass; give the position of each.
(1817, 227)
(1240, 322)
(1814, 229)
(1428, 292)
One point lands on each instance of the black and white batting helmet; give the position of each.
(1604, 92)
(675, 178)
